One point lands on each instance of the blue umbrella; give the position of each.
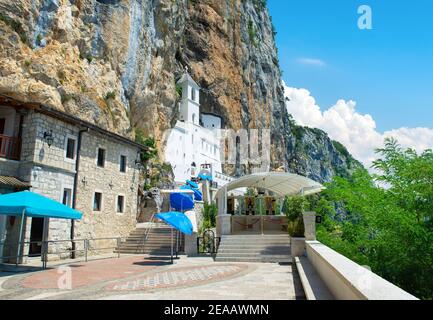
(192, 184)
(181, 201)
(204, 176)
(198, 196)
(177, 220)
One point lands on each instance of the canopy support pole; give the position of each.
(44, 254)
(171, 257)
(20, 236)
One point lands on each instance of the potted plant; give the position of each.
(294, 209)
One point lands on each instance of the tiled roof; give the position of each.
(13, 182)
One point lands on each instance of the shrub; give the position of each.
(294, 208)
(110, 95)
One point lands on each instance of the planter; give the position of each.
(297, 246)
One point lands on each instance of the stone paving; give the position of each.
(180, 277)
(138, 277)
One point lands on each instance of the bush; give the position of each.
(110, 95)
(210, 212)
(294, 208)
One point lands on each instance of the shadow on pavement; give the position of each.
(8, 269)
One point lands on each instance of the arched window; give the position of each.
(193, 94)
(193, 118)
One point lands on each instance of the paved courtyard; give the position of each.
(138, 277)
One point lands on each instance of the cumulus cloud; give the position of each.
(358, 132)
(312, 62)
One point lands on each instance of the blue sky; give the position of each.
(388, 71)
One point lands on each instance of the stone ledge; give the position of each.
(347, 280)
(314, 287)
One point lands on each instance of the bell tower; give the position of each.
(189, 108)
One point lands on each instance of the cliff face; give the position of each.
(116, 62)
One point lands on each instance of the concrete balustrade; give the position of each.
(346, 280)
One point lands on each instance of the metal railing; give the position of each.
(10, 147)
(45, 252)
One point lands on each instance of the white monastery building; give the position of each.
(194, 144)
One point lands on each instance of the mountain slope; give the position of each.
(116, 62)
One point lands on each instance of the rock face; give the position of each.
(116, 62)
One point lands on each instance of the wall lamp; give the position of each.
(48, 137)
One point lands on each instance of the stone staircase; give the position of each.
(158, 242)
(254, 248)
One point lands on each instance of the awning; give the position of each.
(35, 205)
(280, 183)
(13, 182)
(177, 220)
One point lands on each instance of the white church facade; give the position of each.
(194, 144)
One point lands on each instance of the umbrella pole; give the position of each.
(171, 245)
(20, 237)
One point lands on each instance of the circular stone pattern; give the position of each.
(176, 277)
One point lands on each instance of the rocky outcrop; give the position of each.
(116, 62)
(316, 156)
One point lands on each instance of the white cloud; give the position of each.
(312, 62)
(356, 131)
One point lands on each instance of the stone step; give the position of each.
(149, 252)
(249, 259)
(270, 244)
(252, 251)
(255, 240)
(153, 239)
(252, 255)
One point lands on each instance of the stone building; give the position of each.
(72, 161)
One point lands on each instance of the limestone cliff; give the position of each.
(116, 62)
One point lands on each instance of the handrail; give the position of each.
(10, 147)
(45, 244)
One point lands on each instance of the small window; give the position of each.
(101, 157)
(192, 94)
(97, 201)
(70, 148)
(122, 163)
(120, 204)
(67, 197)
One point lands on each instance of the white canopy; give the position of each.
(280, 183)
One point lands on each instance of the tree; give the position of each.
(385, 220)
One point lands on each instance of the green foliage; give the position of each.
(15, 25)
(66, 97)
(38, 39)
(260, 5)
(340, 148)
(149, 142)
(110, 95)
(210, 212)
(252, 33)
(389, 229)
(88, 56)
(294, 208)
(178, 90)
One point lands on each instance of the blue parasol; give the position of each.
(192, 184)
(181, 201)
(177, 220)
(198, 196)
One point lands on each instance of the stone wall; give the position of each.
(111, 183)
(50, 172)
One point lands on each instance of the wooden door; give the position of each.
(2, 125)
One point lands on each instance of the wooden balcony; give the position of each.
(10, 147)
